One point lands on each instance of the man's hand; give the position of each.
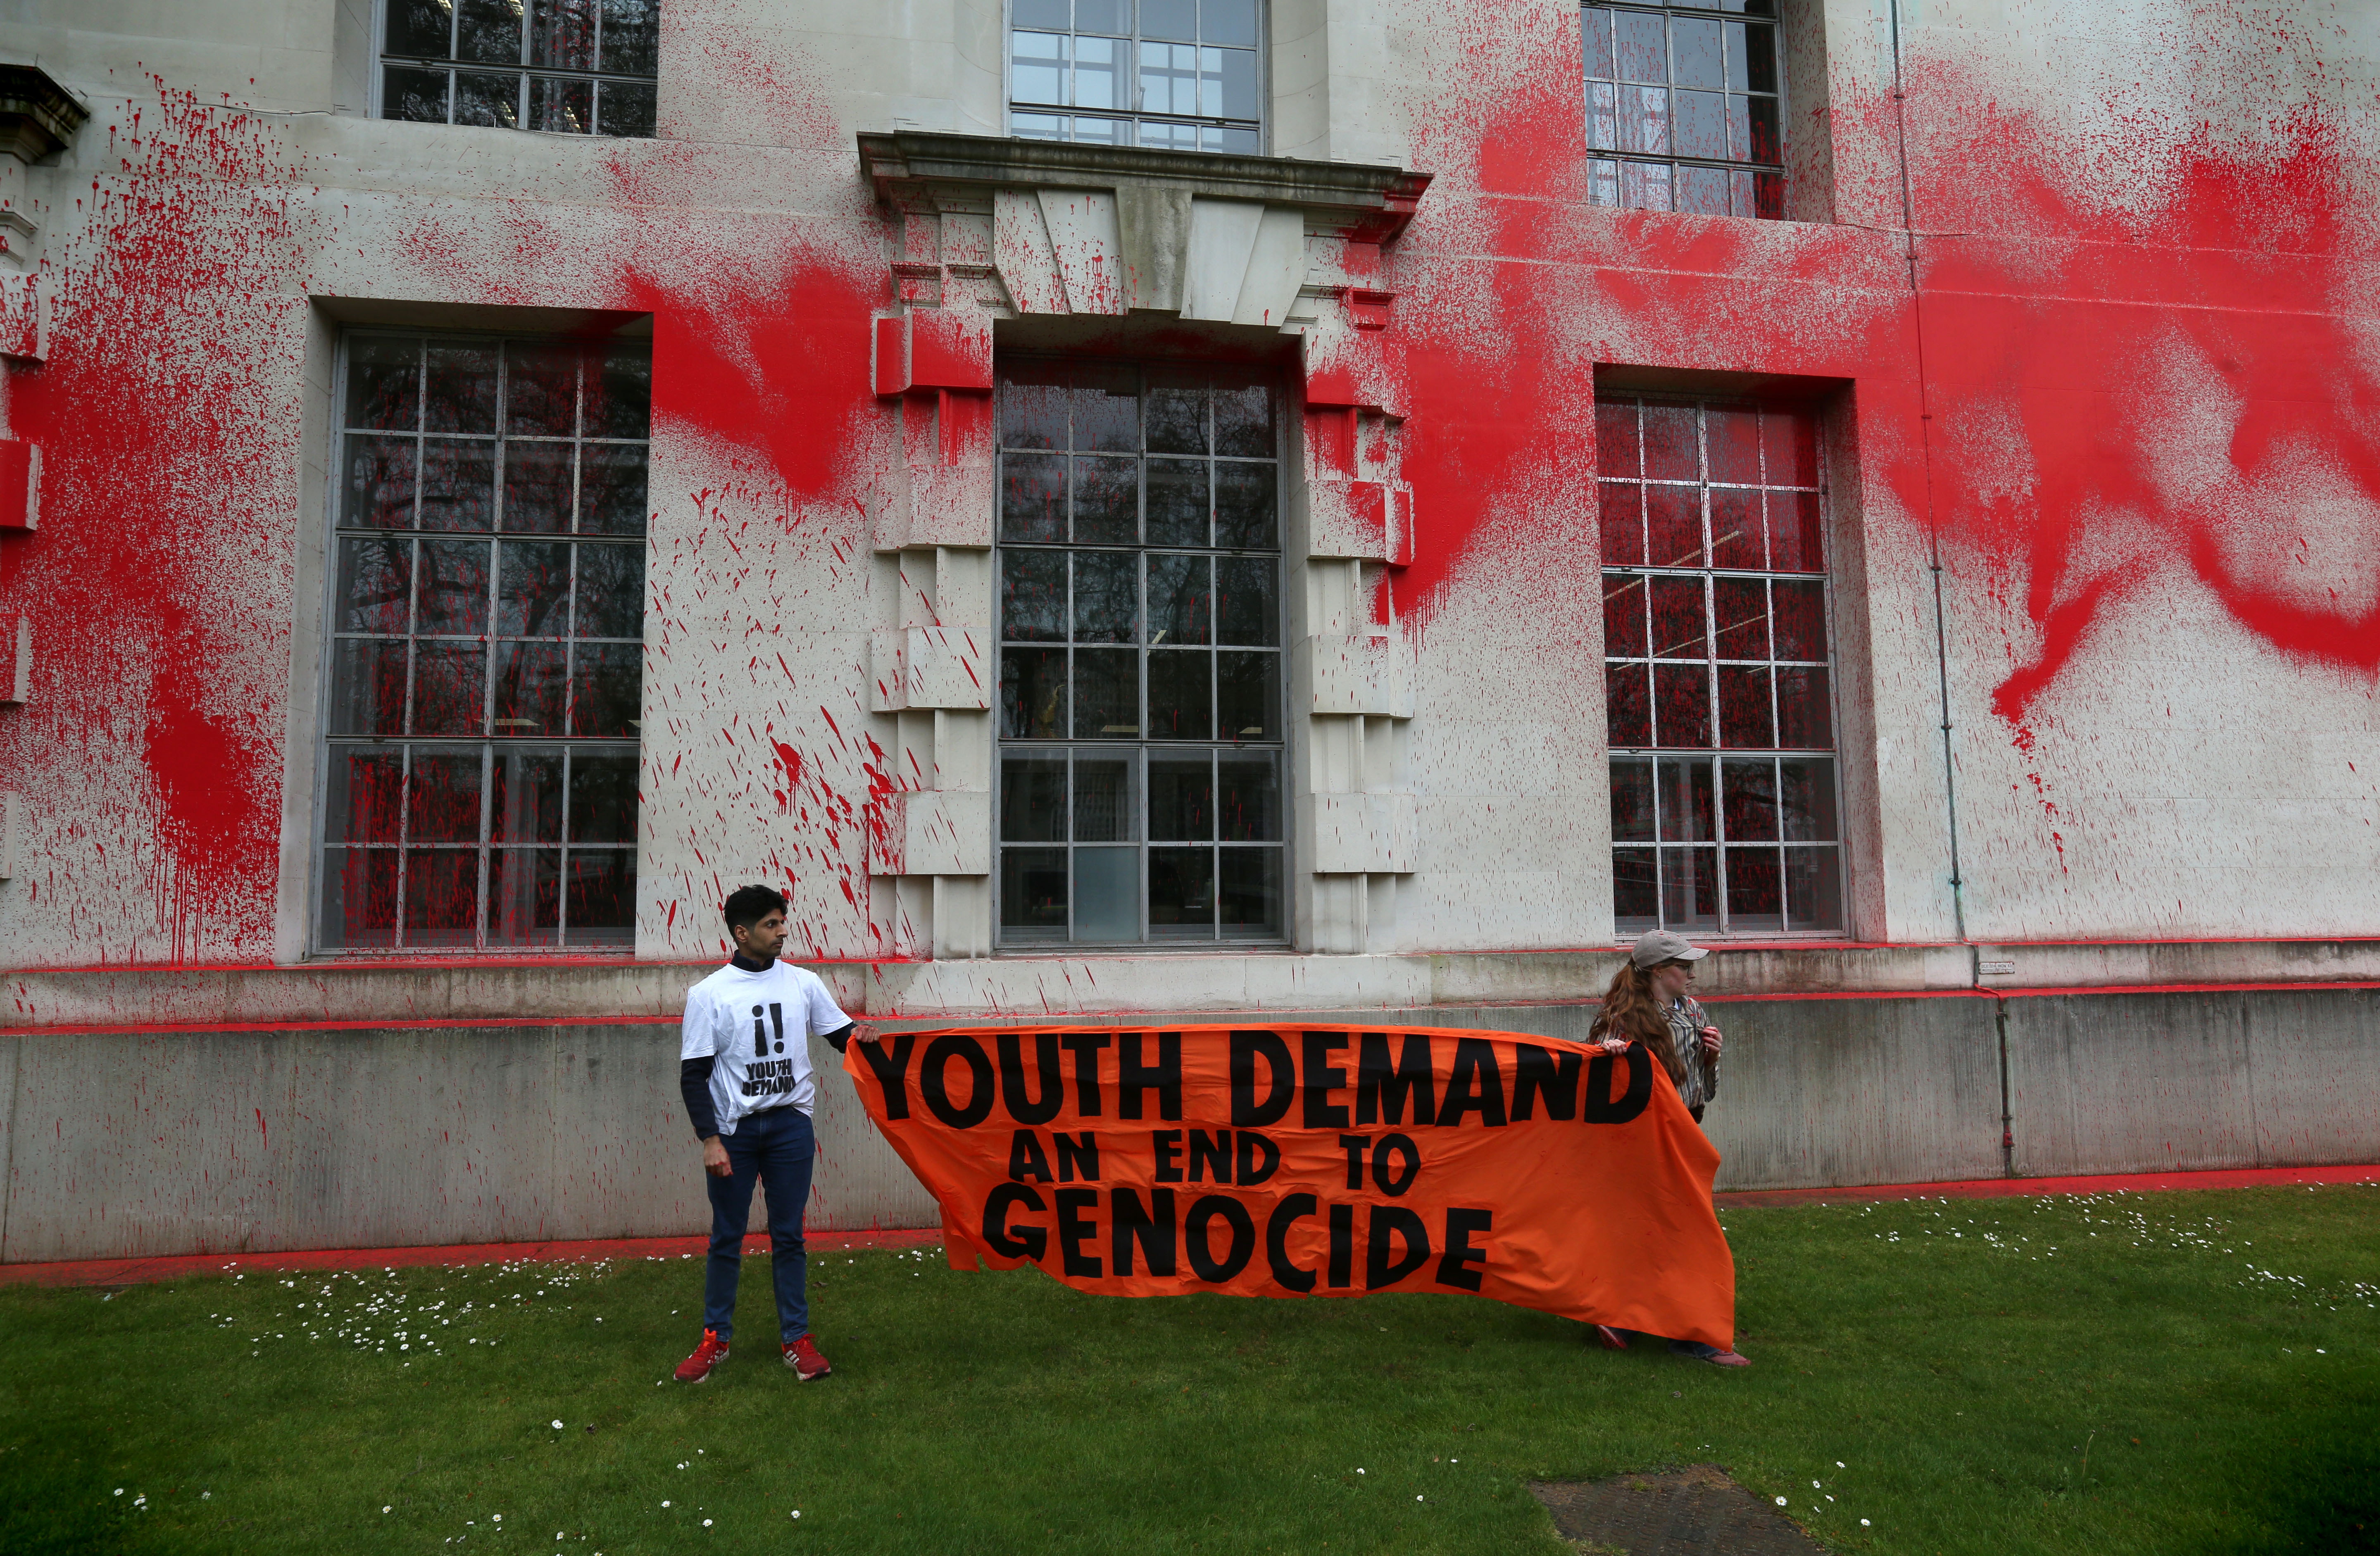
(866, 1032)
(1711, 1041)
(714, 1158)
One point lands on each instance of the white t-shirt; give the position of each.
(756, 1027)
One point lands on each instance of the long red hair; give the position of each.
(1630, 1010)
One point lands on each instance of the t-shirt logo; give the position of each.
(760, 1038)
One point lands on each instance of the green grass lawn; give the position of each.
(2170, 1373)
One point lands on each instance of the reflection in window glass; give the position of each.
(1717, 666)
(488, 645)
(1183, 75)
(1140, 662)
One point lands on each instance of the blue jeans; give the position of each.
(774, 1149)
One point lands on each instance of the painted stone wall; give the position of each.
(2083, 291)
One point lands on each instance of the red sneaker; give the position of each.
(709, 1354)
(802, 1356)
(1612, 1339)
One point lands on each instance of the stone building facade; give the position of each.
(1157, 509)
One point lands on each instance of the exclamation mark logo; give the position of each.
(777, 1019)
(760, 1035)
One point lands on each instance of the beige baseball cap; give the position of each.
(1656, 946)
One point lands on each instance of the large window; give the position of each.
(1140, 674)
(572, 66)
(487, 645)
(1184, 74)
(1717, 670)
(1691, 98)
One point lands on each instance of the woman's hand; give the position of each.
(1711, 1041)
(1615, 1045)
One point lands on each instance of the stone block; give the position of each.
(930, 832)
(21, 485)
(1359, 833)
(1357, 673)
(925, 667)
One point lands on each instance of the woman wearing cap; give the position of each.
(1647, 1002)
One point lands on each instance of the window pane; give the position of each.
(1603, 125)
(450, 688)
(1249, 899)
(1180, 893)
(1742, 606)
(1800, 619)
(601, 892)
(1177, 422)
(1806, 799)
(360, 898)
(488, 30)
(1107, 597)
(1623, 616)
(1102, 68)
(384, 383)
(1682, 705)
(562, 106)
(1645, 127)
(1754, 892)
(1671, 452)
(1631, 801)
(1760, 56)
(1814, 889)
(1627, 706)
(1181, 797)
(1033, 596)
(1616, 454)
(1245, 515)
(458, 484)
(1673, 524)
(1694, 53)
(1107, 894)
(524, 897)
(607, 690)
(419, 95)
(1107, 500)
(541, 390)
(525, 797)
(375, 586)
(1032, 497)
(1794, 532)
(529, 690)
(1103, 16)
(1680, 628)
(1700, 130)
(1052, 14)
(368, 687)
(420, 28)
(1748, 800)
(1684, 796)
(1181, 695)
(442, 897)
(1037, 72)
(1105, 807)
(1623, 522)
(1768, 144)
(1032, 693)
(1595, 35)
(1735, 529)
(462, 388)
(1033, 405)
(1033, 798)
(1106, 407)
(610, 591)
(562, 33)
(1178, 501)
(537, 488)
(1636, 896)
(624, 110)
(1645, 186)
(1247, 806)
(1690, 888)
(1227, 21)
(1804, 719)
(442, 796)
(1603, 183)
(1644, 50)
(489, 100)
(453, 588)
(619, 394)
(631, 43)
(363, 792)
(1744, 717)
(1033, 891)
(1244, 420)
(1247, 694)
(1107, 693)
(611, 488)
(1237, 68)
(1169, 18)
(1247, 600)
(1181, 599)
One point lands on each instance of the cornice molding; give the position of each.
(37, 116)
(1350, 199)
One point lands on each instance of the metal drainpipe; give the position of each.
(1941, 628)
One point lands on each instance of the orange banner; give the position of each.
(1314, 1161)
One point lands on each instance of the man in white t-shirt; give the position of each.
(744, 1068)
